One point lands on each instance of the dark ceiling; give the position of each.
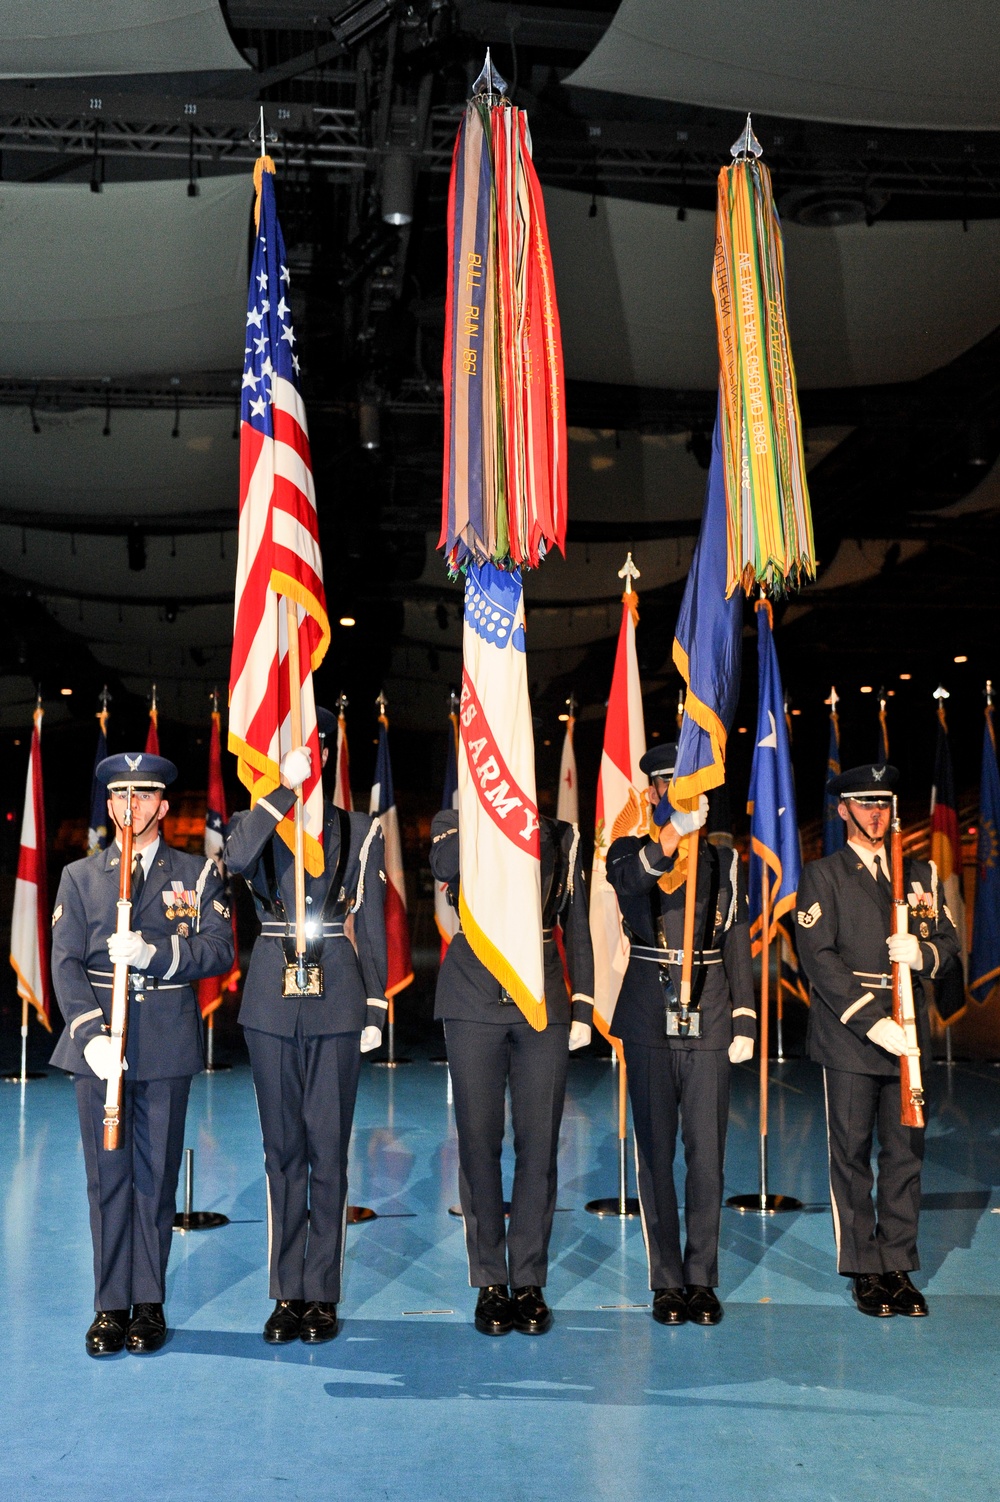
(341, 89)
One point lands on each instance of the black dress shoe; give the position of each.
(670, 1306)
(703, 1307)
(494, 1310)
(147, 1329)
(872, 1296)
(905, 1299)
(532, 1316)
(285, 1323)
(106, 1336)
(319, 1322)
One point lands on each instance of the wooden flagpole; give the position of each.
(295, 708)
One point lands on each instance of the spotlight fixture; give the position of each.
(397, 189)
(369, 425)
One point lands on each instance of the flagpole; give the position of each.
(622, 1204)
(295, 706)
(22, 1077)
(763, 1202)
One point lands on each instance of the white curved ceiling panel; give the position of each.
(913, 63)
(70, 468)
(138, 279)
(866, 306)
(91, 38)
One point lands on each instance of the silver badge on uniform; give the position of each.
(807, 919)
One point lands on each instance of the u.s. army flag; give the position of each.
(500, 896)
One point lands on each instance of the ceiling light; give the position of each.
(796, 711)
(742, 730)
(348, 620)
(866, 688)
(564, 717)
(65, 692)
(961, 658)
(905, 677)
(397, 188)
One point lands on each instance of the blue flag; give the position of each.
(97, 834)
(707, 646)
(834, 830)
(984, 961)
(774, 827)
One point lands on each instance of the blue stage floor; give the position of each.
(794, 1395)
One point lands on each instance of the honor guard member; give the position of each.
(678, 1069)
(180, 932)
(491, 1045)
(844, 919)
(305, 1050)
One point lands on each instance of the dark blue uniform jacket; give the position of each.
(354, 962)
(182, 910)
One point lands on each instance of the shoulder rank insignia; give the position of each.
(807, 919)
(57, 915)
(179, 902)
(220, 907)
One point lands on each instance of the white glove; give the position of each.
(687, 823)
(130, 949)
(296, 766)
(904, 949)
(890, 1036)
(740, 1050)
(579, 1035)
(98, 1055)
(371, 1037)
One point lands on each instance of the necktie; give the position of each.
(138, 877)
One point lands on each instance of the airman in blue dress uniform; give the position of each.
(844, 920)
(673, 1080)
(490, 1046)
(305, 1051)
(180, 932)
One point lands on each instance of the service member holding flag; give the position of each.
(179, 931)
(847, 946)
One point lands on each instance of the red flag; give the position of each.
(212, 989)
(622, 808)
(342, 780)
(279, 563)
(153, 733)
(397, 927)
(29, 929)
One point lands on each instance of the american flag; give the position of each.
(279, 551)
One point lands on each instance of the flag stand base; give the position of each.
(195, 1220)
(763, 1203)
(357, 1214)
(621, 1205)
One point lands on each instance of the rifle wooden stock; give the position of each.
(911, 1089)
(119, 994)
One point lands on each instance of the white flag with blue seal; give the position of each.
(500, 896)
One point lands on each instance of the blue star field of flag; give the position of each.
(270, 348)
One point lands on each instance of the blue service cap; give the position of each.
(659, 760)
(863, 783)
(137, 769)
(326, 723)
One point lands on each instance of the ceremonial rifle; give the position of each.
(911, 1088)
(119, 991)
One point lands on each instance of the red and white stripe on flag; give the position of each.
(499, 851)
(279, 553)
(211, 989)
(397, 925)
(568, 800)
(342, 781)
(622, 809)
(29, 929)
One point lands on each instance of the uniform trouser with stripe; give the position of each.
(306, 1089)
(690, 1088)
(881, 1236)
(132, 1191)
(484, 1058)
